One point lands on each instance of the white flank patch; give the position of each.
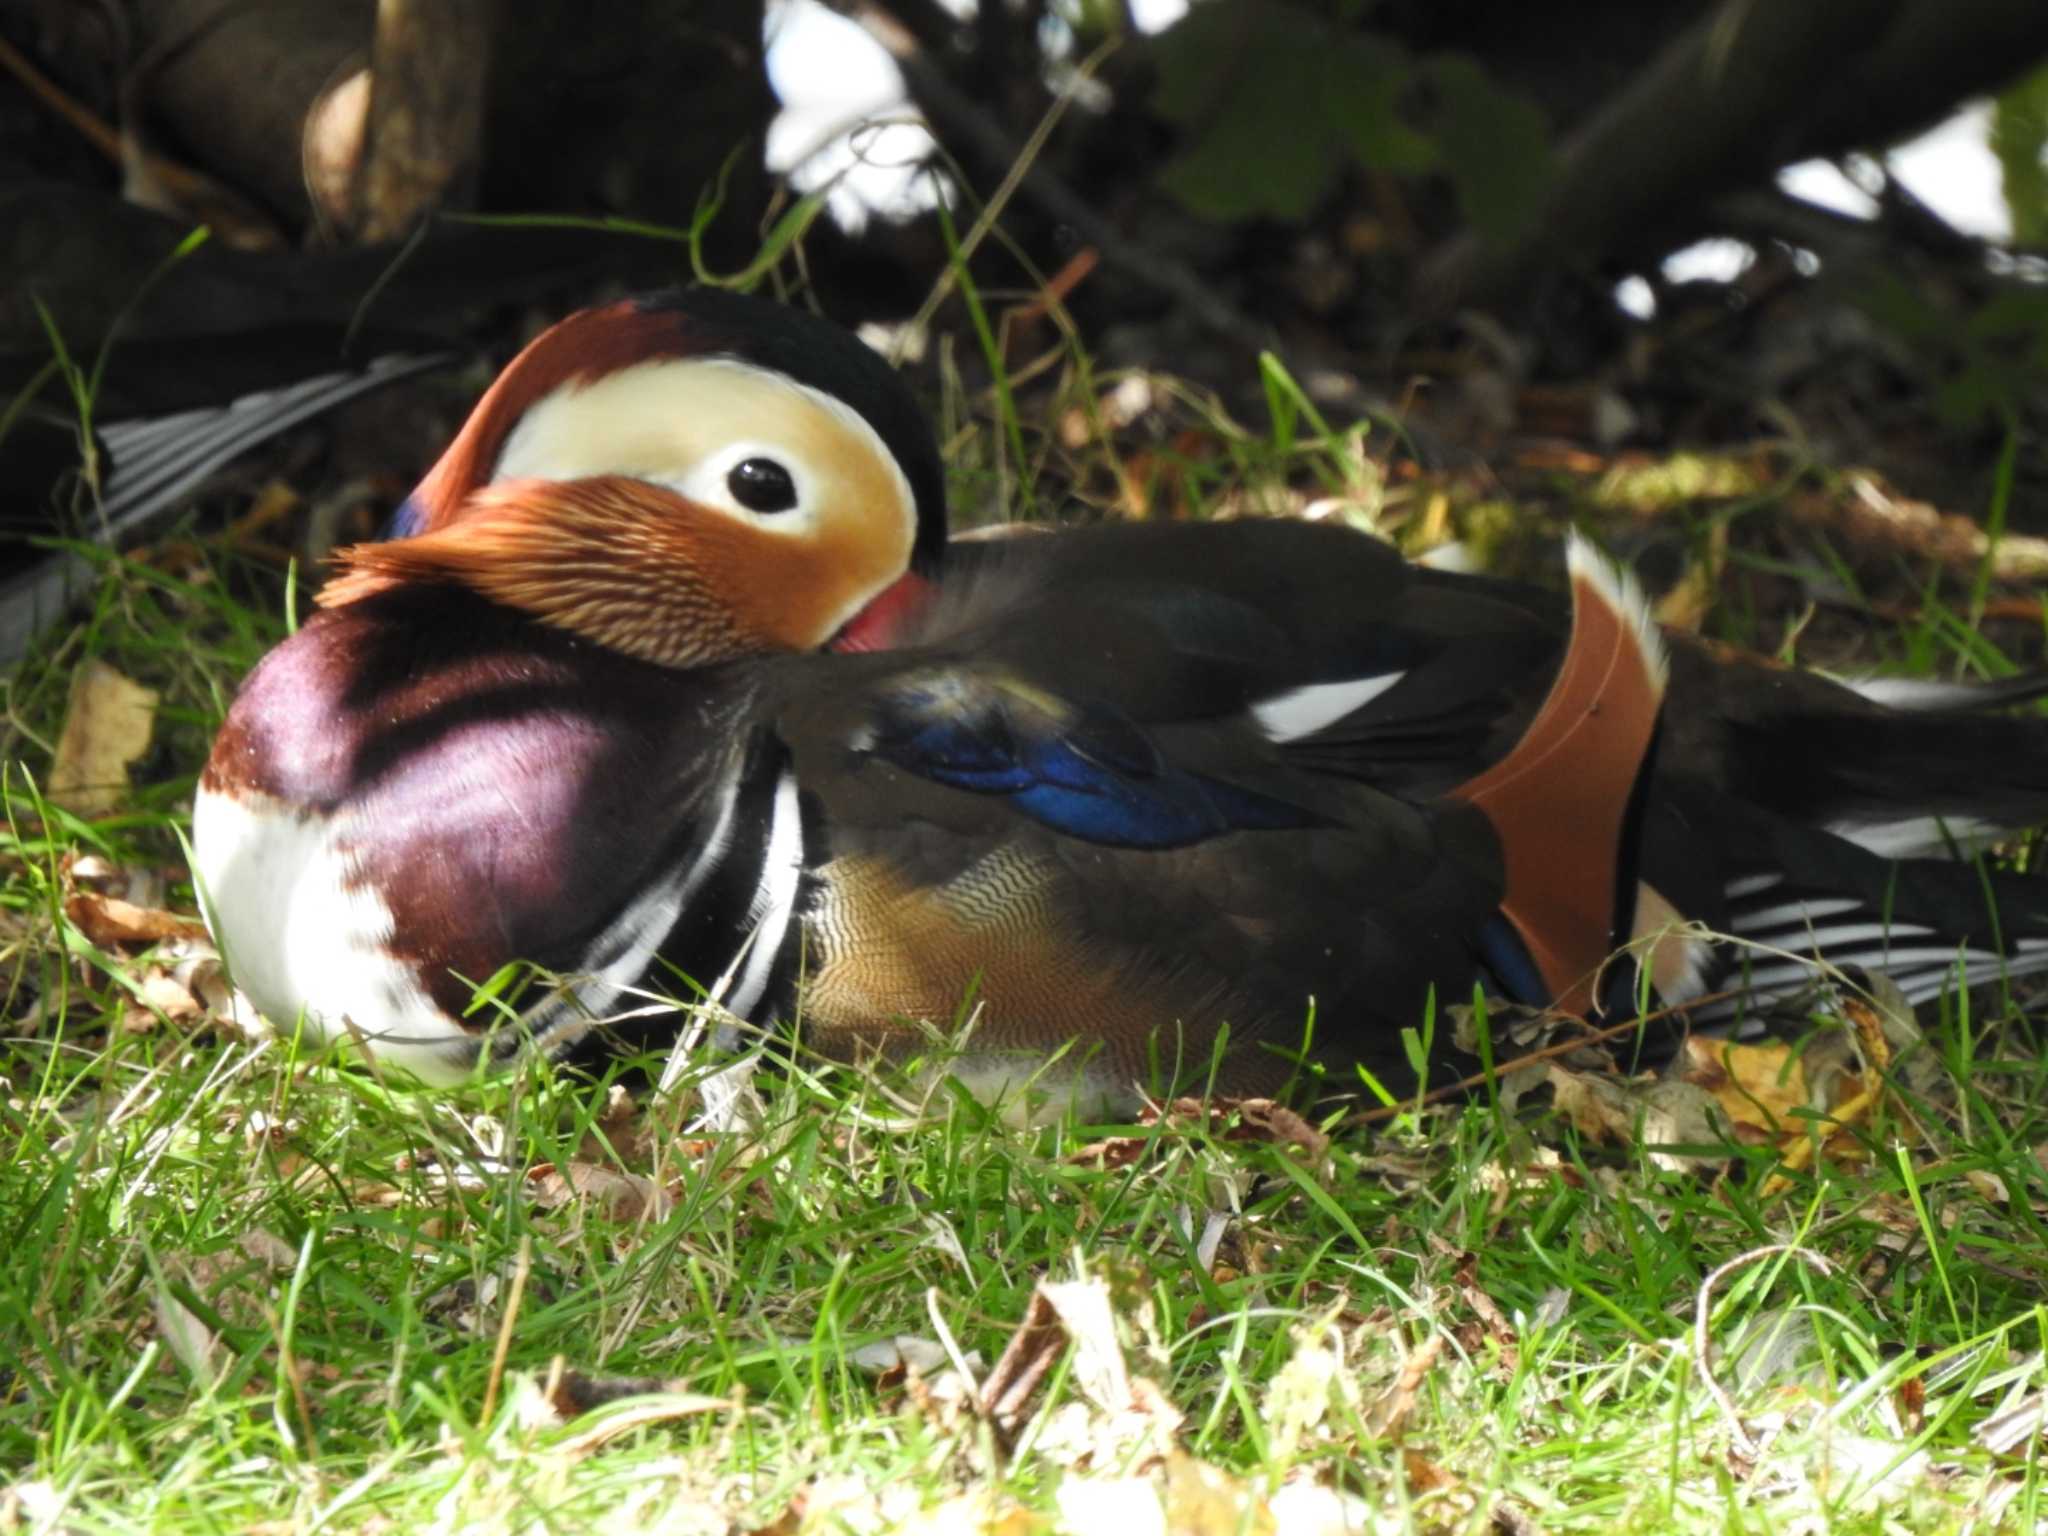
(300, 938)
(1678, 960)
(1914, 693)
(1922, 837)
(1027, 1092)
(1303, 711)
(774, 904)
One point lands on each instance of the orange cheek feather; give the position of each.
(635, 568)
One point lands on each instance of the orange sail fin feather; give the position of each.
(1561, 799)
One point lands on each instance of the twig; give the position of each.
(520, 1269)
(240, 221)
(951, 1346)
(956, 116)
(1702, 1345)
(1546, 1053)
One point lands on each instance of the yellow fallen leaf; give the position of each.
(1760, 1086)
(106, 727)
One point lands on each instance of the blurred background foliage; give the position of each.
(1486, 215)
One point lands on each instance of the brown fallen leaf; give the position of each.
(1110, 1153)
(95, 872)
(108, 921)
(107, 726)
(618, 1195)
(1388, 1418)
(267, 1248)
(1122, 1415)
(1263, 1121)
(569, 1394)
(1658, 1114)
(161, 992)
(1807, 1098)
(1026, 1360)
(1487, 1310)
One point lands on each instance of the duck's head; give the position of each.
(685, 478)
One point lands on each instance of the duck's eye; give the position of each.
(761, 485)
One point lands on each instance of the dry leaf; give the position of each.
(1256, 1120)
(1759, 1086)
(1109, 1153)
(1488, 1311)
(1205, 1500)
(1301, 1394)
(196, 1346)
(1125, 1417)
(1389, 1416)
(267, 1248)
(656, 1409)
(1669, 1114)
(907, 1351)
(1111, 1506)
(95, 872)
(165, 994)
(620, 1196)
(107, 726)
(108, 921)
(1032, 1352)
(2005, 1432)
(1228, 1119)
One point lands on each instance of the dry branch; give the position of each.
(1751, 88)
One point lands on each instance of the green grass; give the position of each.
(242, 1289)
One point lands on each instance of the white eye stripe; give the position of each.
(683, 423)
(709, 484)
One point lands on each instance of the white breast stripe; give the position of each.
(1303, 711)
(638, 935)
(774, 903)
(716, 845)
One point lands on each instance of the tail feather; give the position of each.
(1903, 783)
(1804, 903)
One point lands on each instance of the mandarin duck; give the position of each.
(668, 671)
